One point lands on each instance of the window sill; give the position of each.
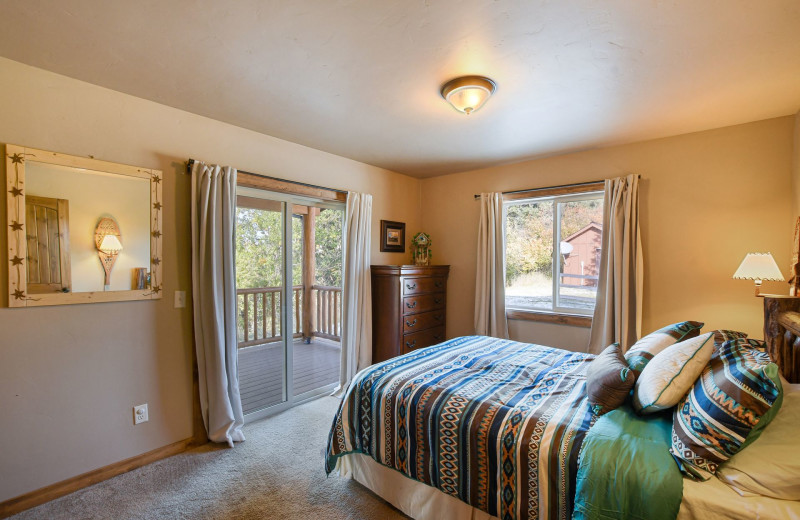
(574, 320)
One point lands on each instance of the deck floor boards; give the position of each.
(261, 371)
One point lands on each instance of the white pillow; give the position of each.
(671, 373)
(770, 466)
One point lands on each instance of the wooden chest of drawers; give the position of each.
(409, 308)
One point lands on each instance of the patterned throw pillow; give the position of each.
(608, 380)
(737, 388)
(722, 335)
(671, 373)
(647, 347)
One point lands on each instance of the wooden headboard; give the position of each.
(782, 334)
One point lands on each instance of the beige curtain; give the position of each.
(490, 295)
(356, 290)
(618, 313)
(214, 300)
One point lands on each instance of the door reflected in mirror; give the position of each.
(62, 248)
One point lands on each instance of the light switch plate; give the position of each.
(180, 299)
(140, 414)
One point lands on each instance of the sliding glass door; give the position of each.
(288, 275)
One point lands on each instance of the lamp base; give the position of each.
(106, 287)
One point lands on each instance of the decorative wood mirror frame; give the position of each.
(16, 157)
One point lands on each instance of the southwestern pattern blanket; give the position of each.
(496, 423)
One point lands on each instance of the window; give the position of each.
(553, 252)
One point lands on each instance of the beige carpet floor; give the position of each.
(276, 473)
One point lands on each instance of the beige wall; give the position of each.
(796, 168)
(69, 376)
(707, 199)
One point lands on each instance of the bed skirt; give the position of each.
(701, 500)
(415, 499)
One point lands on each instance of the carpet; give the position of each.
(276, 473)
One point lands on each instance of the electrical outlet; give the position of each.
(180, 299)
(140, 414)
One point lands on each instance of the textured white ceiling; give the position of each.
(361, 78)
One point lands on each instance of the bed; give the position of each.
(480, 428)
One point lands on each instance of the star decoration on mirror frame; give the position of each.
(156, 234)
(156, 260)
(19, 295)
(17, 260)
(17, 158)
(15, 226)
(157, 205)
(156, 179)
(15, 191)
(157, 289)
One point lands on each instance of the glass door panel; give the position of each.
(260, 292)
(317, 353)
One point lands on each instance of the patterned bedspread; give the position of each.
(495, 423)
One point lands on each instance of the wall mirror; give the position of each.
(81, 230)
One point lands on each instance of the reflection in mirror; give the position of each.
(92, 196)
(81, 230)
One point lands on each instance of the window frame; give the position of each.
(556, 314)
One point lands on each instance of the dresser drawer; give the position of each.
(423, 303)
(426, 320)
(421, 339)
(423, 285)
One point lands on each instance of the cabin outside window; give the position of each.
(552, 256)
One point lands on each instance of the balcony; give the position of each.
(317, 323)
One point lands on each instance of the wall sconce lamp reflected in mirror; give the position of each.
(758, 267)
(107, 239)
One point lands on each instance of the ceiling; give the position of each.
(361, 78)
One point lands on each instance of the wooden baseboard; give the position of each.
(65, 487)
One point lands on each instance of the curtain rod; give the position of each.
(190, 162)
(533, 190)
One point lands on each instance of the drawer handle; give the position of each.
(411, 344)
(438, 284)
(438, 337)
(438, 317)
(411, 323)
(411, 286)
(412, 304)
(437, 301)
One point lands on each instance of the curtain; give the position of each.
(490, 294)
(214, 300)
(356, 290)
(618, 312)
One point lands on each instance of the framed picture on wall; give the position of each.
(393, 236)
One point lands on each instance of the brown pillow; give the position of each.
(608, 380)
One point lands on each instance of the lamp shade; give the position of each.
(469, 93)
(110, 244)
(758, 266)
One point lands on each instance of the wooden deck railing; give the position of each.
(329, 311)
(259, 319)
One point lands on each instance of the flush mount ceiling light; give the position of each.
(468, 93)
